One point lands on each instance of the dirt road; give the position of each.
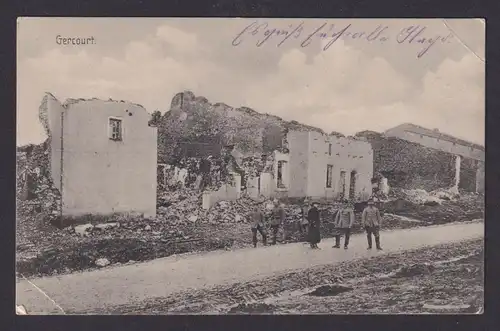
(158, 278)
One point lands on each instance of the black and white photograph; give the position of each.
(221, 166)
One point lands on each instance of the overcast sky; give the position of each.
(353, 85)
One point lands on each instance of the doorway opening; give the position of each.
(352, 185)
(282, 171)
(342, 185)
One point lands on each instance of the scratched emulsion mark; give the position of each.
(462, 42)
(264, 32)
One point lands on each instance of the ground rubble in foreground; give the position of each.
(182, 227)
(442, 279)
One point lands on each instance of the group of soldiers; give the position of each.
(309, 224)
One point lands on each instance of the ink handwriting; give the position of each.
(262, 33)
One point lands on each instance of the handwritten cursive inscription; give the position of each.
(264, 33)
(332, 34)
(415, 34)
(267, 33)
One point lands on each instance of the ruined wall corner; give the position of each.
(43, 111)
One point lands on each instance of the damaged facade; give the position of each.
(103, 156)
(468, 157)
(269, 157)
(307, 164)
(318, 166)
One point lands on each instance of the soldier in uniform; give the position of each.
(371, 221)
(277, 219)
(344, 220)
(257, 224)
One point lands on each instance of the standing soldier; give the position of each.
(277, 218)
(344, 220)
(314, 224)
(257, 221)
(371, 221)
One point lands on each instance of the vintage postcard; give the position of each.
(250, 166)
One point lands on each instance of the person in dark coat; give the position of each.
(314, 224)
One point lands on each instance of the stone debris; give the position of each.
(466, 207)
(105, 226)
(446, 194)
(83, 230)
(433, 198)
(102, 262)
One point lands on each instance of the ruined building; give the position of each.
(102, 156)
(317, 165)
(468, 160)
(274, 157)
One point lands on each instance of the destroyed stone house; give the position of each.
(102, 156)
(268, 156)
(468, 157)
(317, 165)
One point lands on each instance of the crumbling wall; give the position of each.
(193, 119)
(273, 137)
(227, 192)
(410, 165)
(252, 168)
(468, 173)
(298, 145)
(50, 114)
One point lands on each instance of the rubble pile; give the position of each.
(178, 206)
(37, 201)
(109, 249)
(252, 166)
(229, 211)
(421, 197)
(433, 198)
(444, 209)
(196, 173)
(45, 198)
(446, 194)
